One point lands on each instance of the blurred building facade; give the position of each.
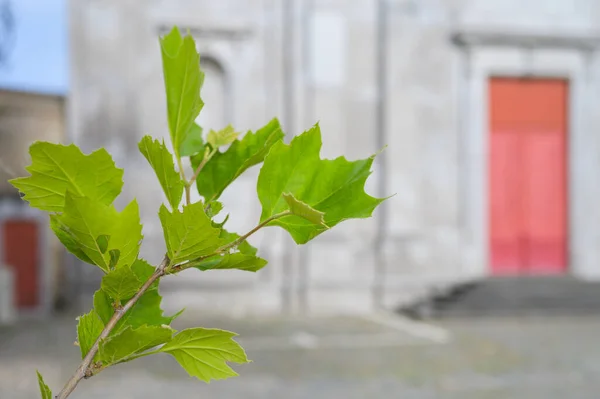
(486, 107)
(34, 80)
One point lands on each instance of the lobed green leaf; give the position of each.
(193, 142)
(129, 342)
(332, 187)
(204, 353)
(236, 260)
(56, 169)
(143, 270)
(213, 208)
(84, 220)
(103, 306)
(146, 311)
(89, 328)
(225, 136)
(244, 247)
(183, 80)
(102, 242)
(121, 283)
(161, 161)
(189, 234)
(225, 167)
(70, 241)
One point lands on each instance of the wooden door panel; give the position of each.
(544, 192)
(504, 197)
(528, 176)
(21, 253)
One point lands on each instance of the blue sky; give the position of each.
(39, 58)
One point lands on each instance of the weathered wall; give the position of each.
(273, 63)
(25, 118)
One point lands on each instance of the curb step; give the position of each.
(548, 296)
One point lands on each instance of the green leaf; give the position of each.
(225, 136)
(305, 211)
(149, 311)
(56, 169)
(236, 260)
(333, 187)
(193, 142)
(146, 311)
(244, 247)
(161, 161)
(121, 283)
(225, 167)
(103, 306)
(44, 390)
(213, 208)
(85, 219)
(102, 242)
(88, 329)
(117, 348)
(204, 353)
(70, 241)
(142, 270)
(115, 255)
(183, 80)
(189, 234)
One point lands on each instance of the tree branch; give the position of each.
(82, 370)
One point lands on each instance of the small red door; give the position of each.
(527, 174)
(21, 253)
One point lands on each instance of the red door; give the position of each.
(528, 179)
(20, 248)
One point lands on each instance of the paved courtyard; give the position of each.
(319, 358)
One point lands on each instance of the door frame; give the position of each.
(517, 58)
(524, 269)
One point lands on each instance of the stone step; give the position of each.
(515, 296)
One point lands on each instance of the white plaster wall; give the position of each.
(436, 231)
(554, 15)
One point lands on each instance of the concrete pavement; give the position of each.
(344, 357)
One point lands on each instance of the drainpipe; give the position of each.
(310, 118)
(381, 79)
(70, 277)
(289, 107)
(463, 126)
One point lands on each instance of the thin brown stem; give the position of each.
(84, 366)
(254, 230)
(188, 197)
(201, 166)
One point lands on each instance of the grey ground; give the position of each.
(313, 358)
